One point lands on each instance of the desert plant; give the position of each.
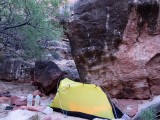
(148, 114)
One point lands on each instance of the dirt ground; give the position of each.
(22, 90)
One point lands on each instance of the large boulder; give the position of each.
(61, 55)
(69, 69)
(46, 75)
(115, 44)
(15, 70)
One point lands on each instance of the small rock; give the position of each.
(133, 111)
(21, 115)
(48, 111)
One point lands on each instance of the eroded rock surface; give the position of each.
(69, 69)
(116, 44)
(15, 70)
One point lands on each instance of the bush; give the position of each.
(26, 22)
(148, 114)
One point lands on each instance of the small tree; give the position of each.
(24, 23)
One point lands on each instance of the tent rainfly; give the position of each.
(84, 100)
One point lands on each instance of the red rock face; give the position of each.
(153, 68)
(137, 62)
(125, 57)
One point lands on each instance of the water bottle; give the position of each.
(37, 100)
(29, 100)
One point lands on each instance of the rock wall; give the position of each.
(116, 44)
(15, 70)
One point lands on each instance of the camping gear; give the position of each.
(84, 100)
(29, 100)
(9, 107)
(37, 100)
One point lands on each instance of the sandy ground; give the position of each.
(15, 89)
(22, 90)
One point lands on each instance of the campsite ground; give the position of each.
(128, 106)
(22, 90)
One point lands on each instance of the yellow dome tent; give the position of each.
(82, 100)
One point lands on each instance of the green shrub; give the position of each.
(27, 22)
(148, 114)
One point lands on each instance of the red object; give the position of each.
(17, 101)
